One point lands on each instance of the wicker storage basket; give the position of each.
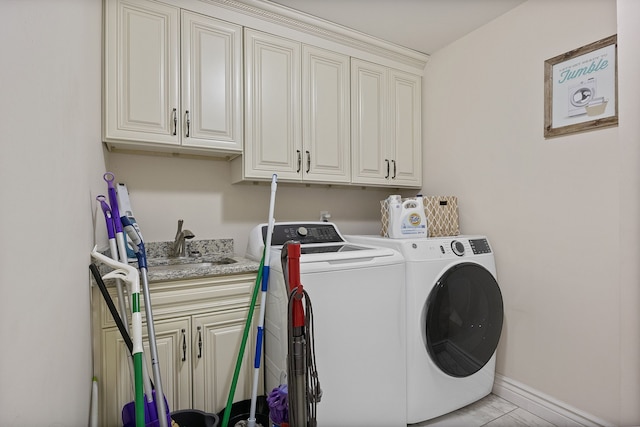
(441, 212)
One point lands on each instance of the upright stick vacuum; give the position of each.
(302, 377)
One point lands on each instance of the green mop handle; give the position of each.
(247, 326)
(136, 322)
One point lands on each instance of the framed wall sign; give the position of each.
(581, 89)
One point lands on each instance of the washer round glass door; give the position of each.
(464, 315)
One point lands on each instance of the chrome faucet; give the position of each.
(179, 247)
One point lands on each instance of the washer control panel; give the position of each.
(304, 233)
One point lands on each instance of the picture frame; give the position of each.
(581, 89)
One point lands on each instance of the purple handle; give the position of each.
(107, 216)
(113, 200)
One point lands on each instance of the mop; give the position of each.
(128, 412)
(245, 335)
(121, 253)
(129, 275)
(265, 283)
(118, 250)
(133, 232)
(113, 249)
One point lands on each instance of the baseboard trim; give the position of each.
(543, 405)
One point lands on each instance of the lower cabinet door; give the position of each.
(216, 345)
(174, 357)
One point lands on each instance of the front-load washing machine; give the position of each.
(454, 321)
(358, 298)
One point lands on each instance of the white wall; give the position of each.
(50, 164)
(629, 225)
(556, 211)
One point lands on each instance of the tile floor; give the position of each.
(492, 411)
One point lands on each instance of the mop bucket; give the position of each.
(240, 411)
(195, 418)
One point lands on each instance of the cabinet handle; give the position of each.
(387, 176)
(175, 121)
(299, 161)
(184, 345)
(394, 169)
(308, 161)
(188, 123)
(199, 342)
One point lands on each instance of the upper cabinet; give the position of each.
(172, 80)
(272, 90)
(386, 126)
(211, 83)
(326, 122)
(297, 112)
(272, 119)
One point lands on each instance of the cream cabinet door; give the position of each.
(216, 343)
(173, 80)
(370, 159)
(406, 127)
(211, 83)
(325, 116)
(386, 115)
(175, 368)
(142, 71)
(272, 92)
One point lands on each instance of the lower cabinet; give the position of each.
(199, 324)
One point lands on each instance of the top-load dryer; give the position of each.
(454, 321)
(358, 296)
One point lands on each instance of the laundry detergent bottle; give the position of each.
(407, 219)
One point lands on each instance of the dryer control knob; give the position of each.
(457, 247)
(302, 231)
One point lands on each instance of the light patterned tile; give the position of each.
(491, 406)
(474, 415)
(519, 418)
(454, 419)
